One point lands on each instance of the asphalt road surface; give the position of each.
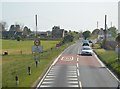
(73, 70)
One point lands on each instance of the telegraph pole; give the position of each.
(105, 32)
(36, 24)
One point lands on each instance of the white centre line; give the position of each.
(77, 65)
(77, 59)
(78, 72)
(80, 84)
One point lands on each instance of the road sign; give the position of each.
(37, 49)
(37, 42)
(117, 49)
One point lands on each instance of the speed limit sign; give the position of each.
(37, 42)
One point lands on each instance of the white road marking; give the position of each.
(73, 86)
(72, 79)
(72, 76)
(80, 84)
(48, 71)
(47, 83)
(71, 73)
(73, 82)
(47, 79)
(77, 65)
(77, 59)
(45, 86)
(67, 58)
(50, 76)
(113, 75)
(103, 65)
(78, 72)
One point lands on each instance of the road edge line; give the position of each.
(38, 85)
(103, 65)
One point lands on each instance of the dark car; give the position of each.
(90, 41)
(85, 44)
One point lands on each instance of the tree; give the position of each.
(86, 34)
(95, 32)
(68, 38)
(18, 38)
(3, 26)
(12, 28)
(118, 39)
(113, 31)
(26, 31)
(17, 28)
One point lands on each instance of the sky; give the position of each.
(69, 15)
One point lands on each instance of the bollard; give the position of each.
(36, 62)
(29, 70)
(16, 79)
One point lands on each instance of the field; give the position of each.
(16, 63)
(16, 47)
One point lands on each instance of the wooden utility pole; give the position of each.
(105, 32)
(36, 24)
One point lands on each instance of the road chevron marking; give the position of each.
(39, 84)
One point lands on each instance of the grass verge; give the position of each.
(17, 64)
(109, 57)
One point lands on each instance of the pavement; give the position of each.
(76, 71)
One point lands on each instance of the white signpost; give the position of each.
(37, 49)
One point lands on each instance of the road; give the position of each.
(73, 70)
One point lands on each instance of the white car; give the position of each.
(85, 41)
(86, 50)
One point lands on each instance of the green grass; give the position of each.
(15, 47)
(16, 64)
(109, 57)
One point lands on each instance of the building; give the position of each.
(43, 34)
(101, 35)
(57, 32)
(11, 34)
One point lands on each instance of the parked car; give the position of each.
(86, 50)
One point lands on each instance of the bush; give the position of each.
(18, 38)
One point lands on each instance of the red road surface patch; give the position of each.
(89, 61)
(67, 59)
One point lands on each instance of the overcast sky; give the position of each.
(69, 15)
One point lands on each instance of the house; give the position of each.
(101, 35)
(42, 34)
(10, 34)
(57, 32)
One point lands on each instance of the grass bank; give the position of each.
(109, 57)
(17, 64)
